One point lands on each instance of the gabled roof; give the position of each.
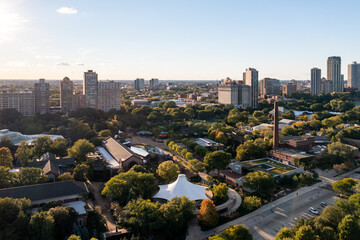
(46, 191)
(47, 156)
(51, 167)
(181, 187)
(117, 150)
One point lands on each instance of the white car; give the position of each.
(314, 211)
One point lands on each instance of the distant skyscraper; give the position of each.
(139, 84)
(334, 74)
(315, 81)
(153, 83)
(23, 102)
(289, 89)
(109, 95)
(90, 89)
(252, 80)
(66, 95)
(42, 97)
(269, 86)
(231, 92)
(354, 75)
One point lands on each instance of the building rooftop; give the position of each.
(45, 191)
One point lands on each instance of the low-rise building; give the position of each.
(290, 156)
(208, 143)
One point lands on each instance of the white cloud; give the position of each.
(63, 64)
(67, 10)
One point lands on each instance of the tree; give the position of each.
(196, 166)
(66, 177)
(220, 192)
(30, 176)
(74, 237)
(41, 226)
(290, 131)
(251, 203)
(305, 233)
(200, 150)
(251, 150)
(189, 156)
(59, 146)
(139, 184)
(338, 152)
(284, 233)
(80, 149)
(217, 160)
(140, 217)
(6, 142)
(345, 186)
(176, 214)
(23, 153)
(81, 172)
(13, 220)
(208, 216)
(236, 232)
(168, 171)
(6, 177)
(64, 219)
(6, 157)
(349, 228)
(41, 145)
(260, 181)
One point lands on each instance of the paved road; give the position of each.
(269, 222)
(266, 221)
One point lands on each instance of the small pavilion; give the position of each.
(181, 187)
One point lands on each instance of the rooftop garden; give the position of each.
(277, 167)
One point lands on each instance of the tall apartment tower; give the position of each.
(109, 95)
(231, 92)
(66, 95)
(252, 80)
(90, 89)
(153, 83)
(269, 86)
(334, 74)
(42, 97)
(315, 81)
(23, 101)
(354, 75)
(139, 84)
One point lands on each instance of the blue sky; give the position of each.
(175, 39)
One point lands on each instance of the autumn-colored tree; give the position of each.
(5, 157)
(208, 216)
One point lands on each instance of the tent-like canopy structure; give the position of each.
(181, 187)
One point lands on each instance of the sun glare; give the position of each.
(10, 22)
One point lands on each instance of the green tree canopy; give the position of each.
(80, 149)
(168, 171)
(6, 157)
(218, 160)
(260, 181)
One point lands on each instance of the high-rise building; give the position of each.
(109, 95)
(139, 84)
(354, 75)
(289, 89)
(23, 102)
(231, 92)
(79, 101)
(153, 83)
(252, 80)
(42, 97)
(334, 74)
(90, 89)
(66, 95)
(315, 81)
(269, 86)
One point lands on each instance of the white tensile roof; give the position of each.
(181, 187)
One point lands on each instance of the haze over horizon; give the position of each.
(187, 40)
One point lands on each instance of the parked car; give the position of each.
(323, 204)
(314, 211)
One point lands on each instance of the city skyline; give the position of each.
(178, 40)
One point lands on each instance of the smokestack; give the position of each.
(276, 125)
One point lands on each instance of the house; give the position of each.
(53, 166)
(122, 154)
(67, 193)
(207, 143)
